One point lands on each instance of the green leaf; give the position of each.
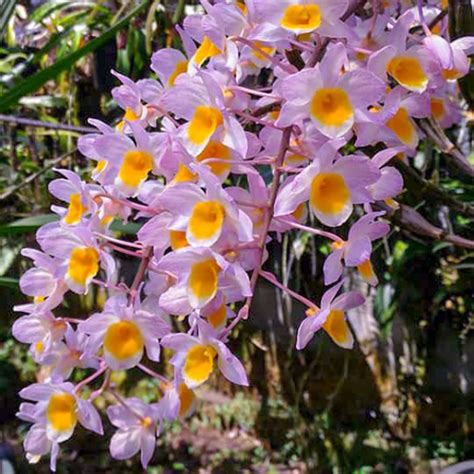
(8, 7)
(9, 282)
(26, 225)
(129, 228)
(34, 82)
(46, 9)
(43, 101)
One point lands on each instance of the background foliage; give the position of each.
(401, 401)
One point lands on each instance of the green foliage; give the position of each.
(34, 82)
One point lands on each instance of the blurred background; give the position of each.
(402, 401)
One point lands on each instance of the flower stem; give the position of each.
(243, 313)
(272, 279)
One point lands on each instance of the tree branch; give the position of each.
(407, 218)
(419, 186)
(446, 146)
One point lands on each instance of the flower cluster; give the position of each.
(274, 114)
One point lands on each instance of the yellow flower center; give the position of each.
(207, 50)
(123, 340)
(437, 108)
(61, 411)
(218, 317)
(100, 166)
(178, 239)
(407, 71)
(336, 245)
(199, 363)
(83, 264)
(329, 193)
(186, 399)
(181, 67)
(203, 278)
(366, 270)
(130, 116)
(263, 48)
(146, 422)
(135, 167)
(331, 107)
(451, 74)
(206, 219)
(216, 150)
(301, 17)
(298, 213)
(204, 123)
(402, 126)
(241, 6)
(75, 210)
(184, 174)
(336, 326)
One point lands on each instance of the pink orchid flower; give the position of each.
(54, 417)
(41, 281)
(331, 187)
(201, 102)
(178, 400)
(136, 422)
(204, 217)
(356, 250)
(453, 57)
(194, 357)
(130, 162)
(298, 17)
(80, 253)
(76, 193)
(200, 273)
(327, 96)
(125, 332)
(330, 317)
(412, 68)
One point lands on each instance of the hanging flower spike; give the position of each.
(273, 110)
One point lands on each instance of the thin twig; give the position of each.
(31, 178)
(147, 254)
(39, 124)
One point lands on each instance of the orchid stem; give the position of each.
(272, 279)
(311, 230)
(91, 378)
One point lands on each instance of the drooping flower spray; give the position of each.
(342, 90)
